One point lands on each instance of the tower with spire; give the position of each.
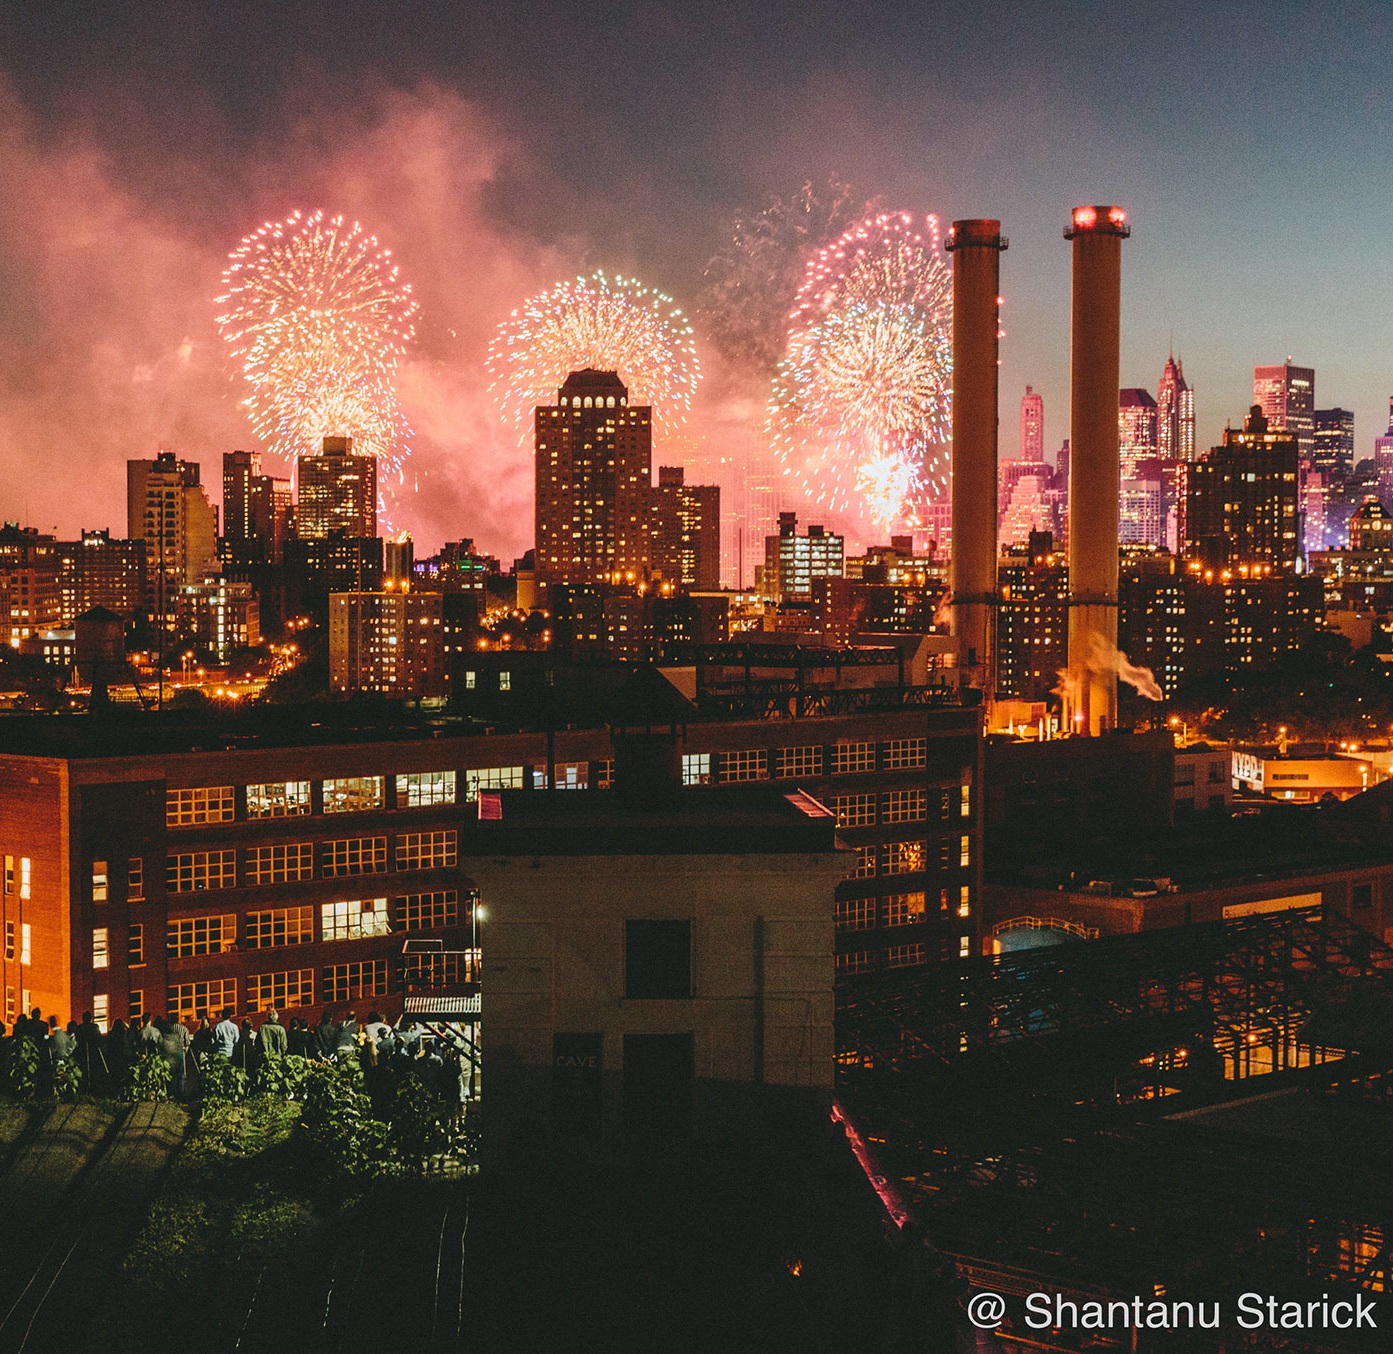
(1175, 414)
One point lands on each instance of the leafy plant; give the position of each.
(282, 1075)
(417, 1115)
(223, 1084)
(67, 1079)
(338, 1123)
(24, 1069)
(149, 1078)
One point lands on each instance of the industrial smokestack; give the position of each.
(976, 249)
(1097, 234)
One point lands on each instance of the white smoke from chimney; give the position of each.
(1103, 657)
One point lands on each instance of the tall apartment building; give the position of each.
(337, 493)
(1287, 397)
(791, 561)
(29, 597)
(1032, 623)
(97, 571)
(594, 470)
(168, 508)
(392, 643)
(687, 530)
(256, 508)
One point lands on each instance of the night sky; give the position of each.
(499, 148)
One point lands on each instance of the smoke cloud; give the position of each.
(1104, 657)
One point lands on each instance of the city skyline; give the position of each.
(123, 216)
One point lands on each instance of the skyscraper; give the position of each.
(1287, 397)
(594, 483)
(687, 530)
(1175, 414)
(1333, 452)
(1136, 429)
(255, 507)
(168, 509)
(1032, 426)
(338, 493)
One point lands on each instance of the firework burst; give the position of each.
(611, 324)
(860, 405)
(316, 315)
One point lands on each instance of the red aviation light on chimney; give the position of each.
(1085, 216)
(1098, 221)
(1117, 216)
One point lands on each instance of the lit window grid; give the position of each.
(200, 804)
(902, 857)
(696, 768)
(491, 778)
(347, 982)
(904, 956)
(745, 765)
(101, 957)
(278, 926)
(279, 799)
(904, 754)
(193, 871)
(851, 758)
(354, 794)
(864, 864)
(424, 911)
(354, 855)
(285, 991)
(186, 1001)
(100, 883)
(354, 919)
(797, 762)
(425, 789)
(856, 914)
(188, 936)
(904, 806)
(282, 864)
(427, 850)
(904, 909)
(855, 810)
(855, 961)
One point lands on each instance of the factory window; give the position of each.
(856, 914)
(203, 804)
(354, 920)
(965, 851)
(965, 800)
(854, 961)
(848, 758)
(101, 957)
(135, 945)
(353, 794)
(964, 901)
(135, 1005)
(280, 864)
(135, 879)
(26, 878)
(9, 941)
(604, 774)
(902, 956)
(422, 789)
(570, 775)
(657, 959)
(278, 799)
(201, 935)
(904, 806)
(491, 778)
(101, 1010)
(285, 991)
(696, 768)
(9, 874)
(99, 881)
(904, 909)
(902, 858)
(470, 680)
(427, 850)
(864, 867)
(964, 947)
(1361, 897)
(184, 1001)
(854, 810)
(505, 681)
(793, 762)
(347, 982)
(192, 870)
(422, 911)
(354, 855)
(750, 764)
(278, 926)
(444, 970)
(904, 754)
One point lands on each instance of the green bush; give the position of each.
(338, 1122)
(282, 1075)
(148, 1079)
(24, 1069)
(223, 1084)
(67, 1079)
(418, 1114)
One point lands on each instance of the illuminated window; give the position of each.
(201, 935)
(278, 926)
(855, 961)
(470, 680)
(864, 868)
(505, 681)
(964, 901)
(902, 956)
(904, 806)
(422, 789)
(854, 810)
(347, 982)
(904, 909)
(696, 768)
(135, 945)
(750, 764)
(849, 758)
(9, 874)
(965, 851)
(856, 914)
(570, 775)
(278, 799)
(965, 800)
(422, 911)
(902, 858)
(280, 864)
(194, 870)
(285, 991)
(904, 754)
(26, 877)
(135, 879)
(354, 920)
(9, 941)
(101, 1010)
(353, 794)
(99, 883)
(354, 855)
(135, 1004)
(100, 956)
(964, 947)
(791, 762)
(491, 778)
(202, 804)
(427, 850)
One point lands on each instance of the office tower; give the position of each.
(1241, 509)
(976, 247)
(97, 571)
(168, 509)
(1287, 397)
(687, 530)
(1142, 501)
(1096, 234)
(1032, 425)
(1136, 429)
(1175, 414)
(338, 492)
(594, 472)
(255, 508)
(791, 561)
(1333, 444)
